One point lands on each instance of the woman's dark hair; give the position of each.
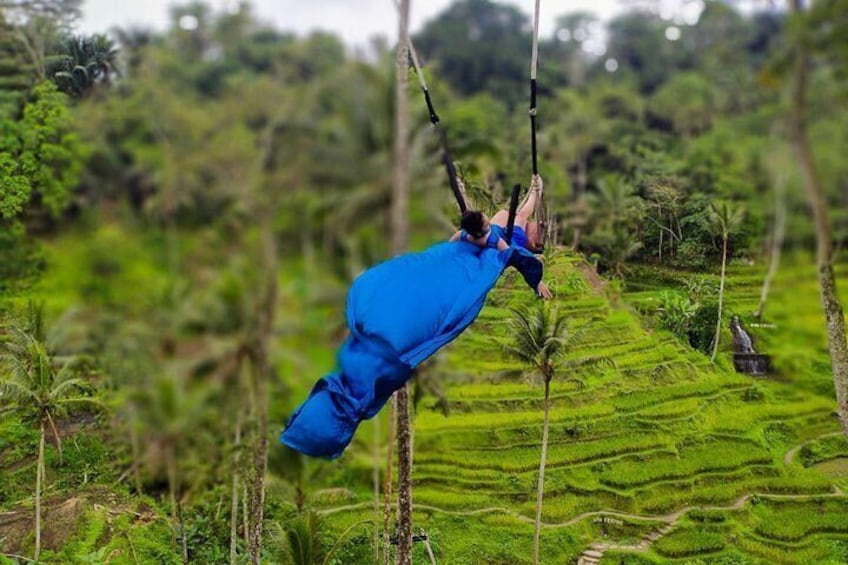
(472, 223)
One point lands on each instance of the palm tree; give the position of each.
(615, 209)
(301, 540)
(615, 203)
(617, 245)
(542, 339)
(399, 236)
(85, 62)
(837, 344)
(40, 386)
(724, 219)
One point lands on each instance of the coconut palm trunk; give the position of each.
(834, 317)
(39, 477)
(234, 507)
(720, 295)
(778, 234)
(542, 461)
(375, 482)
(265, 203)
(261, 375)
(387, 485)
(404, 436)
(399, 240)
(400, 193)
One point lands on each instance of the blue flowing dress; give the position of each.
(399, 313)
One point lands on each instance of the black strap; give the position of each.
(513, 209)
(434, 118)
(451, 171)
(447, 161)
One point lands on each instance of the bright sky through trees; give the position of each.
(358, 20)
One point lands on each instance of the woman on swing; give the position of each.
(478, 229)
(476, 226)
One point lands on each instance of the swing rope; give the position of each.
(541, 211)
(447, 161)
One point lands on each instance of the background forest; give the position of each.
(181, 213)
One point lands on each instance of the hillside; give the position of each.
(655, 456)
(659, 457)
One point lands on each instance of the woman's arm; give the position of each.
(531, 269)
(456, 236)
(543, 291)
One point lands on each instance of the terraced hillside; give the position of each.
(659, 457)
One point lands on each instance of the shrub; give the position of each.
(823, 449)
(676, 311)
(702, 327)
(693, 255)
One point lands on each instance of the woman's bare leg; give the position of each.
(500, 218)
(527, 209)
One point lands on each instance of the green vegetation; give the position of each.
(190, 206)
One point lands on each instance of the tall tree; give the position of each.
(39, 24)
(481, 45)
(399, 238)
(637, 42)
(833, 313)
(40, 385)
(265, 204)
(725, 218)
(576, 131)
(686, 101)
(15, 74)
(542, 338)
(778, 233)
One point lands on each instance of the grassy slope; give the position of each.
(660, 432)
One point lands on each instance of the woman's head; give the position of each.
(475, 223)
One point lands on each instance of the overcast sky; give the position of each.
(353, 20)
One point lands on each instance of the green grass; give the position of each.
(661, 430)
(689, 542)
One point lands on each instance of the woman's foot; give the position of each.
(537, 185)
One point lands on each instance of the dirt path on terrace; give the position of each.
(668, 518)
(790, 455)
(596, 550)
